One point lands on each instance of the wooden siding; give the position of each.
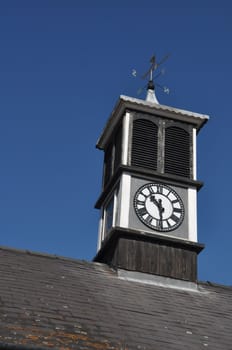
(153, 254)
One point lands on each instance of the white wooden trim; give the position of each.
(125, 138)
(192, 214)
(125, 200)
(100, 232)
(194, 154)
(115, 208)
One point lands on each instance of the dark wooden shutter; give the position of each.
(177, 151)
(144, 144)
(118, 148)
(108, 164)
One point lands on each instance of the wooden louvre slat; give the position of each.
(108, 164)
(144, 144)
(177, 151)
(118, 148)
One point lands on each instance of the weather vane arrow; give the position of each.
(154, 65)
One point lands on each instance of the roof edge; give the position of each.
(125, 102)
(42, 255)
(159, 106)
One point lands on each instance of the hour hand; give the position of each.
(158, 204)
(153, 200)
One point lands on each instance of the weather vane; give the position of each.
(150, 74)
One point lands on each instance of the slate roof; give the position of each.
(48, 301)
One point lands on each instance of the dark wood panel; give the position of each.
(155, 258)
(151, 254)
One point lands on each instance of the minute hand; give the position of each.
(158, 204)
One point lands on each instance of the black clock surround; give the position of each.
(159, 207)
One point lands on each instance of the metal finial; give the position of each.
(154, 65)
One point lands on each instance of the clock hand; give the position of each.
(153, 200)
(159, 206)
(157, 203)
(161, 210)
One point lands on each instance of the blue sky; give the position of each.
(63, 65)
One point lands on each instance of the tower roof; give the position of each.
(138, 105)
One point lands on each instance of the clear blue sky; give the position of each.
(63, 65)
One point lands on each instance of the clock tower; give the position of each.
(149, 191)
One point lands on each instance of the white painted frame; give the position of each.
(125, 200)
(192, 214)
(125, 138)
(194, 154)
(102, 233)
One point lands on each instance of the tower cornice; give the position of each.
(151, 176)
(125, 103)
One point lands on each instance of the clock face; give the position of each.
(159, 207)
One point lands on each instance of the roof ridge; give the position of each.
(45, 255)
(75, 260)
(214, 284)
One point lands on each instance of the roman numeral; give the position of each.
(142, 211)
(151, 189)
(138, 202)
(159, 189)
(169, 225)
(159, 224)
(177, 210)
(149, 219)
(175, 201)
(144, 194)
(174, 218)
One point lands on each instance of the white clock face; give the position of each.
(159, 207)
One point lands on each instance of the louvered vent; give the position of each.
(144, 144)
(177, 151)
(108, 164)
(118, 149)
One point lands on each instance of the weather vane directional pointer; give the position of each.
(154, 65)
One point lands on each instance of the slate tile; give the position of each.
(62, 299)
